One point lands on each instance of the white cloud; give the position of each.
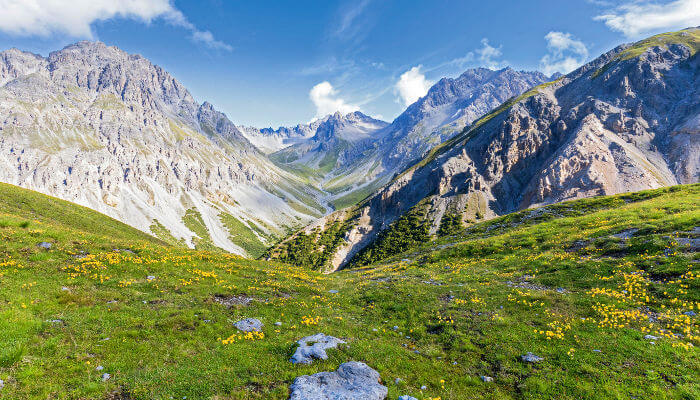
(637, 17)
(325, 98)
(412, 85)
(75, 18)
(565, 53)
(348, 17)
(488, 55)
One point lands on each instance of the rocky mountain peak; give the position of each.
(108, 69)
(15, 63)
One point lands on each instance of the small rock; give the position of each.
(561, 290)
(597, 351)
(375, 330)
(99, 368)
(651, 337)
(333, 291)
(278, 323)
(486, 378)
(396, 328)
(125, 251)
(105, 377)
(65, 289)
(233, 301)
(44, 245)
(2, 384)
(150, 277)
(454, 362)
(249, 325)
(626, 234)
(407, 397)
(314, 347)
(352, 380)
(531, 358)
(423, 387)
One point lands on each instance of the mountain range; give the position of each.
(111, 131)
(116, 133)
(626, 121)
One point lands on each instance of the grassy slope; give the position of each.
(160, 338)
(244, 236)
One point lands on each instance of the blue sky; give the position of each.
(271, 63)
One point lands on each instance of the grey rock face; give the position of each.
(44, 245)
(449, 106)
(407, 397)
(314, 347)
(249, 325)
(352, 381)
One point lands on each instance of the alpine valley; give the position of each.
(510, 235)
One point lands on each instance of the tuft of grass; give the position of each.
(244, 236)
(194, 222)
(161, 232)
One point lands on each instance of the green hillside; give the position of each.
(579, 284)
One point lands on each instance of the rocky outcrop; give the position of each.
(353, 380)
(314, 347)
(449, 106)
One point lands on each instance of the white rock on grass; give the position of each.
(314, 347)
(407, 397)
(353, 380)
(249, 325)
(531, 358)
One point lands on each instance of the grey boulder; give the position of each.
(249, 325)
(314, 347)
(531, 358)
(352, 381)
(44, 245)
